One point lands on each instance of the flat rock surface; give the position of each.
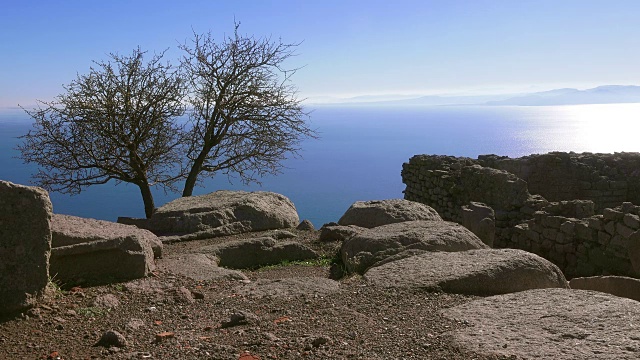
(290, 287)
(615, 285)
(374, 213)
(550, 324)
(71, 230)
(199, 267)
(373, 245)
(473, 272)
(261, 251)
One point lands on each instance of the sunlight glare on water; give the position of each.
(603, 128)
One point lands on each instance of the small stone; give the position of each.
(197, 295)
(164, 336)
(239, 318)
(112, 338)
(320, 340)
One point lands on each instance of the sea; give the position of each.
(361, 149)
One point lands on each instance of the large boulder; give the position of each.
(550, 324)
(369, 214)
(25, 245)
(373, 245)
(256, 252)
(481, 220)
(615, 285)
(97, 251)
(474, 272)
(224, 213)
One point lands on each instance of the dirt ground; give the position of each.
(169, 316)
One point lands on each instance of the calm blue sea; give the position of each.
(361, 151)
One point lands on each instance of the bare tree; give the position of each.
(118, 122)
(245, 116)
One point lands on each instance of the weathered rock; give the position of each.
(70, 230)
(615, 285)
(333, 232)
(25, 245)
(199, 267)
(369, 214)
(112, 338)
(481, 220)
(306, 225)
(256, 252)
(474, 272)
(160, 292)
(231, 212)
(374, 245)
(550, 324)
(98, 252)
(240, 317)
(290, 287)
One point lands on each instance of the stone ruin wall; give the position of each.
(559, 222)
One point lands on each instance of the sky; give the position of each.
(347, 47)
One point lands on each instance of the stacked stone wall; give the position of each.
(568, 189)
(606, 179)
(598, 244)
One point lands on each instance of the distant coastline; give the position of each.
(606, 94)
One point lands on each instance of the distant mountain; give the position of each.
(609, 94)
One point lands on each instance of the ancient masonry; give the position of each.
(581, 215)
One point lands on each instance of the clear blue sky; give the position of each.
(349, 47)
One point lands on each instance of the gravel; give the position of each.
(358, 321)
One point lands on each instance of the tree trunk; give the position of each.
(193, 174)
(147, 198)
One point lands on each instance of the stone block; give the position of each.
(603, 238)
(624, 230)
(596, 222)
(99, 252)
(611, 214)
(25, 245)
(610, 228)
(568, 227)
(632, 221)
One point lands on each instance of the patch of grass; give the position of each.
(91, 311)
(321, 261)
(118, 287)
(55, 287)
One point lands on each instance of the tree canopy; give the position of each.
(121, 121)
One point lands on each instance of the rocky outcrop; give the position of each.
(256, 252)
(369, 214)
(376, 244)
(615, 285)
(98, 252)
(223, 213)
(550, 324)
(25, 245)
(474, 272)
